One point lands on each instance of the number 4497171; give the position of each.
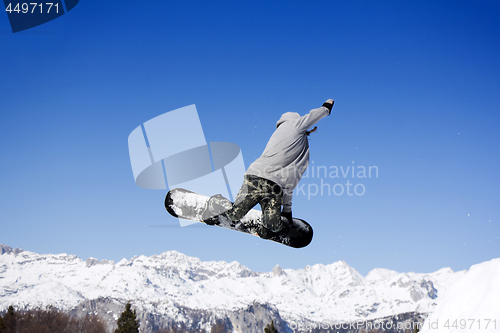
(33, 7)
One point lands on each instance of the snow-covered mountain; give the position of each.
(471, 304)
(170, 286)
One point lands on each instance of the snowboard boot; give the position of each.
(265, 233)
(216, 206)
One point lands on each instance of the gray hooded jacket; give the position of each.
(286, 155)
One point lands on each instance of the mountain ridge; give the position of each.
(164, 283)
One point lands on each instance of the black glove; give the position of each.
(288, 216)
(329, 105)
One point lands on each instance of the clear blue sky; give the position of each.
(416, 85)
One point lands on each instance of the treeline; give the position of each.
(48, 321)
(55, 321)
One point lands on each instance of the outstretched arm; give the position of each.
(315, 115)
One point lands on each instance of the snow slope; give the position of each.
(162, 283)
(471, 304)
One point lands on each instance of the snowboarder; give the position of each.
(271, 179)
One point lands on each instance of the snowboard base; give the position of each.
(189, 205)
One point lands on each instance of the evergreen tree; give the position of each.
(2, 326)
(9, 320)
(128, 323)
(270, 328)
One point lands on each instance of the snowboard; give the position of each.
(189, 205)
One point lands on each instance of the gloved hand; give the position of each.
(329, 105)
(288, 216)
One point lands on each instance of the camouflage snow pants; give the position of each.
(253, 191)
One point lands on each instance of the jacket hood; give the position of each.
(286, 117)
